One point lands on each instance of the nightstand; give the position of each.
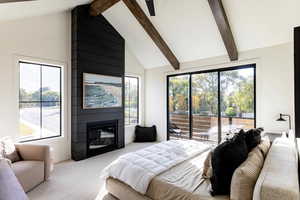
(273, 135)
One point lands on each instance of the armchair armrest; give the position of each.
(36, 153)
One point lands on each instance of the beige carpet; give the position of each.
(72, 180)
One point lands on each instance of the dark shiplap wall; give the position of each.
(96, 48)
(297, 80)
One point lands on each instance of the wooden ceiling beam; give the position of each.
(99, 6)
(224, 28)
(139, 14)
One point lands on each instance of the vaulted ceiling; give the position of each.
(187, 26)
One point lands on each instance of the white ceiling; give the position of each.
(12, 11)
(187, 26)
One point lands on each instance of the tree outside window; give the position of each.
(131, 100)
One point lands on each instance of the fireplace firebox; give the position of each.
(101, 137)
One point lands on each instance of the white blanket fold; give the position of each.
(137, 169)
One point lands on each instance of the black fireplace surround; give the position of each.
(97, 48)
(101, 137)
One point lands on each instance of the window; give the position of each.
(39, 101)
(179, 103)
(208, 105)
(131, 100)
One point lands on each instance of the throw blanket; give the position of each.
(138, 168)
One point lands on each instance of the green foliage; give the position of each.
(47, 95)
(230, 112)
(244, 97)
(237, 93)
(50, 96)
(205, 93)
(179, 89)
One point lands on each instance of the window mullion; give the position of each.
(129, 101)
(138, 100)
(60, 103)
(41, 103)
(219, 109)
(190, 107)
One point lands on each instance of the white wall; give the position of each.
(44, 39)
(134, 68)
(274, 79)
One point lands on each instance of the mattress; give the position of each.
(182, 182)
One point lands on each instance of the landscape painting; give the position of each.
(100, 91)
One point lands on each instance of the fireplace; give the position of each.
(95, 131)
(101, 137)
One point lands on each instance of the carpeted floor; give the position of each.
(72, 180)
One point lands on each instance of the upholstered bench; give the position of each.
(278, 179)
(10, 188)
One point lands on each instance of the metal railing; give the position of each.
(205, 127)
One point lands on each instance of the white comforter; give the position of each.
(137, 169)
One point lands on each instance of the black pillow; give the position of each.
(145, 134)
(225, 159)
(253, 138)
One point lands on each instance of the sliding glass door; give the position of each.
(237, 100)
(178, 98)
(205, 106)
(209, 105)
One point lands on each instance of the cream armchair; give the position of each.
(35, 166)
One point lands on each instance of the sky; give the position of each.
(247, 72)
(30, 78)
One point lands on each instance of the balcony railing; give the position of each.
(205, 127)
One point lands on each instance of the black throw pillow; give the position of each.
(225, 159)
(253, 138)
(145, 134)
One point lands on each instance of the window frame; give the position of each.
(218, 70)
(60, 101)
(138, 101)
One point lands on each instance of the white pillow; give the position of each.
(8, 150)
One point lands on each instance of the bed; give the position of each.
(182, 182)
(166, 171)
